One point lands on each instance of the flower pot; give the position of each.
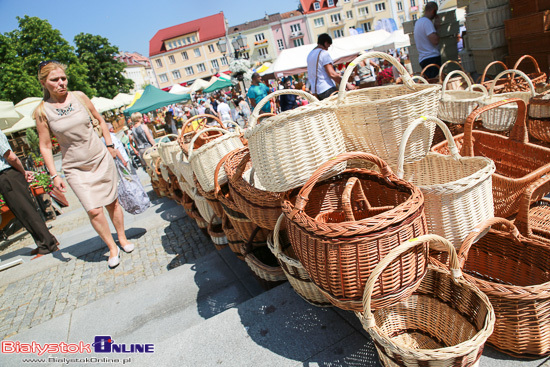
(37, 190)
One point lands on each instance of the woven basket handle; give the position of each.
(256, 113)
(432, 240)
(276, 249)
(534, 192)
(448, 62)
(406, 135)
(346, 198)
(421, 79)
(528, 57)
(518, 133)
(480, 86)
(196, 136)
(157, 166)
(429, 66)
(448, 77)
(239, 170)
(247, 247)
(513, 71)
(303, 195)
(201, 125)
(217, 187)
(407, 80)
(481, 230)
(489, 67)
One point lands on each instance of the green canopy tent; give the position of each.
(153, 98)
(218, 84)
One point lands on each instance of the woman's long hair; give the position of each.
(43, 73)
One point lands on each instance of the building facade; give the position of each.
(138, 69)
(291, 31)
(182, 53)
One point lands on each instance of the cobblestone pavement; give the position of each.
(161, 245)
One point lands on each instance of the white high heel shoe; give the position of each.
(114, 261)
(128, 248)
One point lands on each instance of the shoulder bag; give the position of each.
(95, 122)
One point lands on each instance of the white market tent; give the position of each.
(23, 124)
(179, 89)
(124, 98)
(102, 104)
(8, 115)
(294, 60)
(199, 84)
(397, 39)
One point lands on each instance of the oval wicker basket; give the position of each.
(166, 148)
(456, 105)
(445, 322)
(539, 117)
(533, 219)
(287, 148)
(339, 236)
(234, 240)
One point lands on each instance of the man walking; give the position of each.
(15, 189)
(258, 91)
(427, 40)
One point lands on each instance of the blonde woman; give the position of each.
(141, 136)
(87, 163)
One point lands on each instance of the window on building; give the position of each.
(319, 22)
(330, 2)
(367, 27)
(363, 11)
(179, 43)
(298, 42)
(263, 51)
(197, 52)
(245, 55)
(425, 2)
(201, 68)
(413, 3)
(349, 14)
(223, 60)
(414, 17)
(215, 64)
(335, 18)
(401, 19)
(280, 44)
(193, 39)
(172, 59)
(380, 6)
(189, 70)
(163, 78)
(346, 1)
(399, 6)
(176, 74)
(184, 55)
(316, 5)
(210, 48)
(159, 63)
(295, 27)
(338, 33)
(259, 37)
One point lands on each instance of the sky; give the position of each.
(130, 24)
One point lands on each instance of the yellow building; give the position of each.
(187, 51)
(260, 44)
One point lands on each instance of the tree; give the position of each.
(105, 73)
(34, 41)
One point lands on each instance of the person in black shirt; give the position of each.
(287, 101)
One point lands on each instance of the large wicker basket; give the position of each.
(514, 272)
(205, 159)
(456, 105)
(457, 190)
(518, 162)
(279, 244)
(373, 120)
(501, 85)
(502, 118)
(456, 82)
(536, 77)
(166, 147)
(287, 148)
(539, 117)
(445, 323)
(234, 240)
(340, 228)
(261, 206)
(533, 219)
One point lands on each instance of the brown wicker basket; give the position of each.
(434, 80)
(514, 272)
(518, 162)
(263, 263)
(217, 235)
(539, 117)
(536, 77)
(339, 251)
(210, 197)
(279, 244)
(189, 129)
(503, 85)
(533, 219)
(234, 240)
(262, 207)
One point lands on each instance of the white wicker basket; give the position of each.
(205, 159)
(287, 148)
(487, 19)
(166, 147)
(487, 39)
(204, 208)
(503, 118)
(457, 190)
(373, 120)
(183, 167)
(164, 171)
(456, 105)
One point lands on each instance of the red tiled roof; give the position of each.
(255, 23)
(307, 5)
(289, 14)
(209, 28)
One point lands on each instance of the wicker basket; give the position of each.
(518, 163)
(165, 148)
(261, 206)
(455, 83)
(457, 190)
(456, 105)
(502, 85)
(184, 169)
(287, 148)
(204, 208)
(234, 240)
(373, 120)
(514, 272)
(190, 128)
(533, 219)
(445, 323)
(539, 117)
(503, 117)
(488, 18)
(340, 238)
(217, 235)
(434, 80)
(205, 159)
(210, 197)
(268, 273)
(537, 77)
(149, 155)
(279, 244)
